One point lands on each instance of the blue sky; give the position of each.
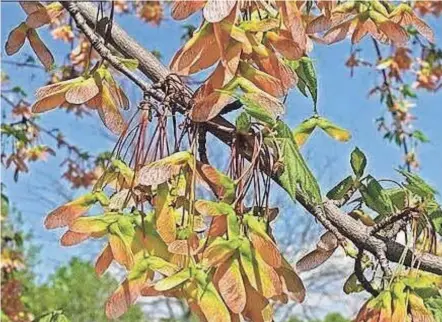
(341, 99)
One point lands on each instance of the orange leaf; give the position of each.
(104, 260)
(108, 111)
(339, 32)
(182, 9)
(215, 11)
(44, 15)
(49, 102)
(394, 32)
(65, 215)
(125, 296)
(206, 109)
(258, 308)
(218, 227)
(121, 252)
(71, 238)
(82, 92)
(229, 280)
(272, 65)
(16, 39)
(40, 49)
(267, 249)
(165, 215)
(291, 282)
(284, 44)
(262, 80)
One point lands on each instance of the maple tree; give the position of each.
(216, 249)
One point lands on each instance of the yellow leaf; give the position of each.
(334, 131)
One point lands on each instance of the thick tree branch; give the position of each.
(355, 231)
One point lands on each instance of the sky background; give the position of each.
(342, 99)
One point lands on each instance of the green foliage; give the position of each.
(358, 162)
(243, 123)
(339, 191)
(418, 185)
(434, 304)
(255, 110)
(305, 70)
(330, 317)
(56, 316)
(77, 291)
(296, 173)
(375, 197)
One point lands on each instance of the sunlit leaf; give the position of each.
(339, 191)
(66, 214)
(229, 280)
(173, 281)
(358, 162)
(296, 173)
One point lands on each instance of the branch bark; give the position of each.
(355, 231)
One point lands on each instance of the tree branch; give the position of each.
(224, 130)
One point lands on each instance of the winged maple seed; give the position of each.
(38, 15)
(17, 38)
(217, 254)
(240, 45)
(231, 273)
(97, 91)
(324, 249)
(402, 301)
(359, 19)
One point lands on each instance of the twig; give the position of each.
(99, 45)
(390, 100)
(360, 275)
(391, 219)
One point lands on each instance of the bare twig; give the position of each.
(359, 272)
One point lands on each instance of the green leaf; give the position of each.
(102, 198)
(139, 270)
(302, 87)
(334, 131)
(339, 191)
(358, 162)
(126, 229)
(398, 197)
(4, 205)
(233, 228)
(56, 316)
(242, 123)
(162, 266)
(213, 208)
(407, 91)
(434, 304)
(303, 130)
(296, 174)
(420, 136)
(122, 168)
(418, 185)
(375, 197)
(257, 226)
(436, 219)
(257, 111)
(351, 285)
(173, 280)
(307, 73)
